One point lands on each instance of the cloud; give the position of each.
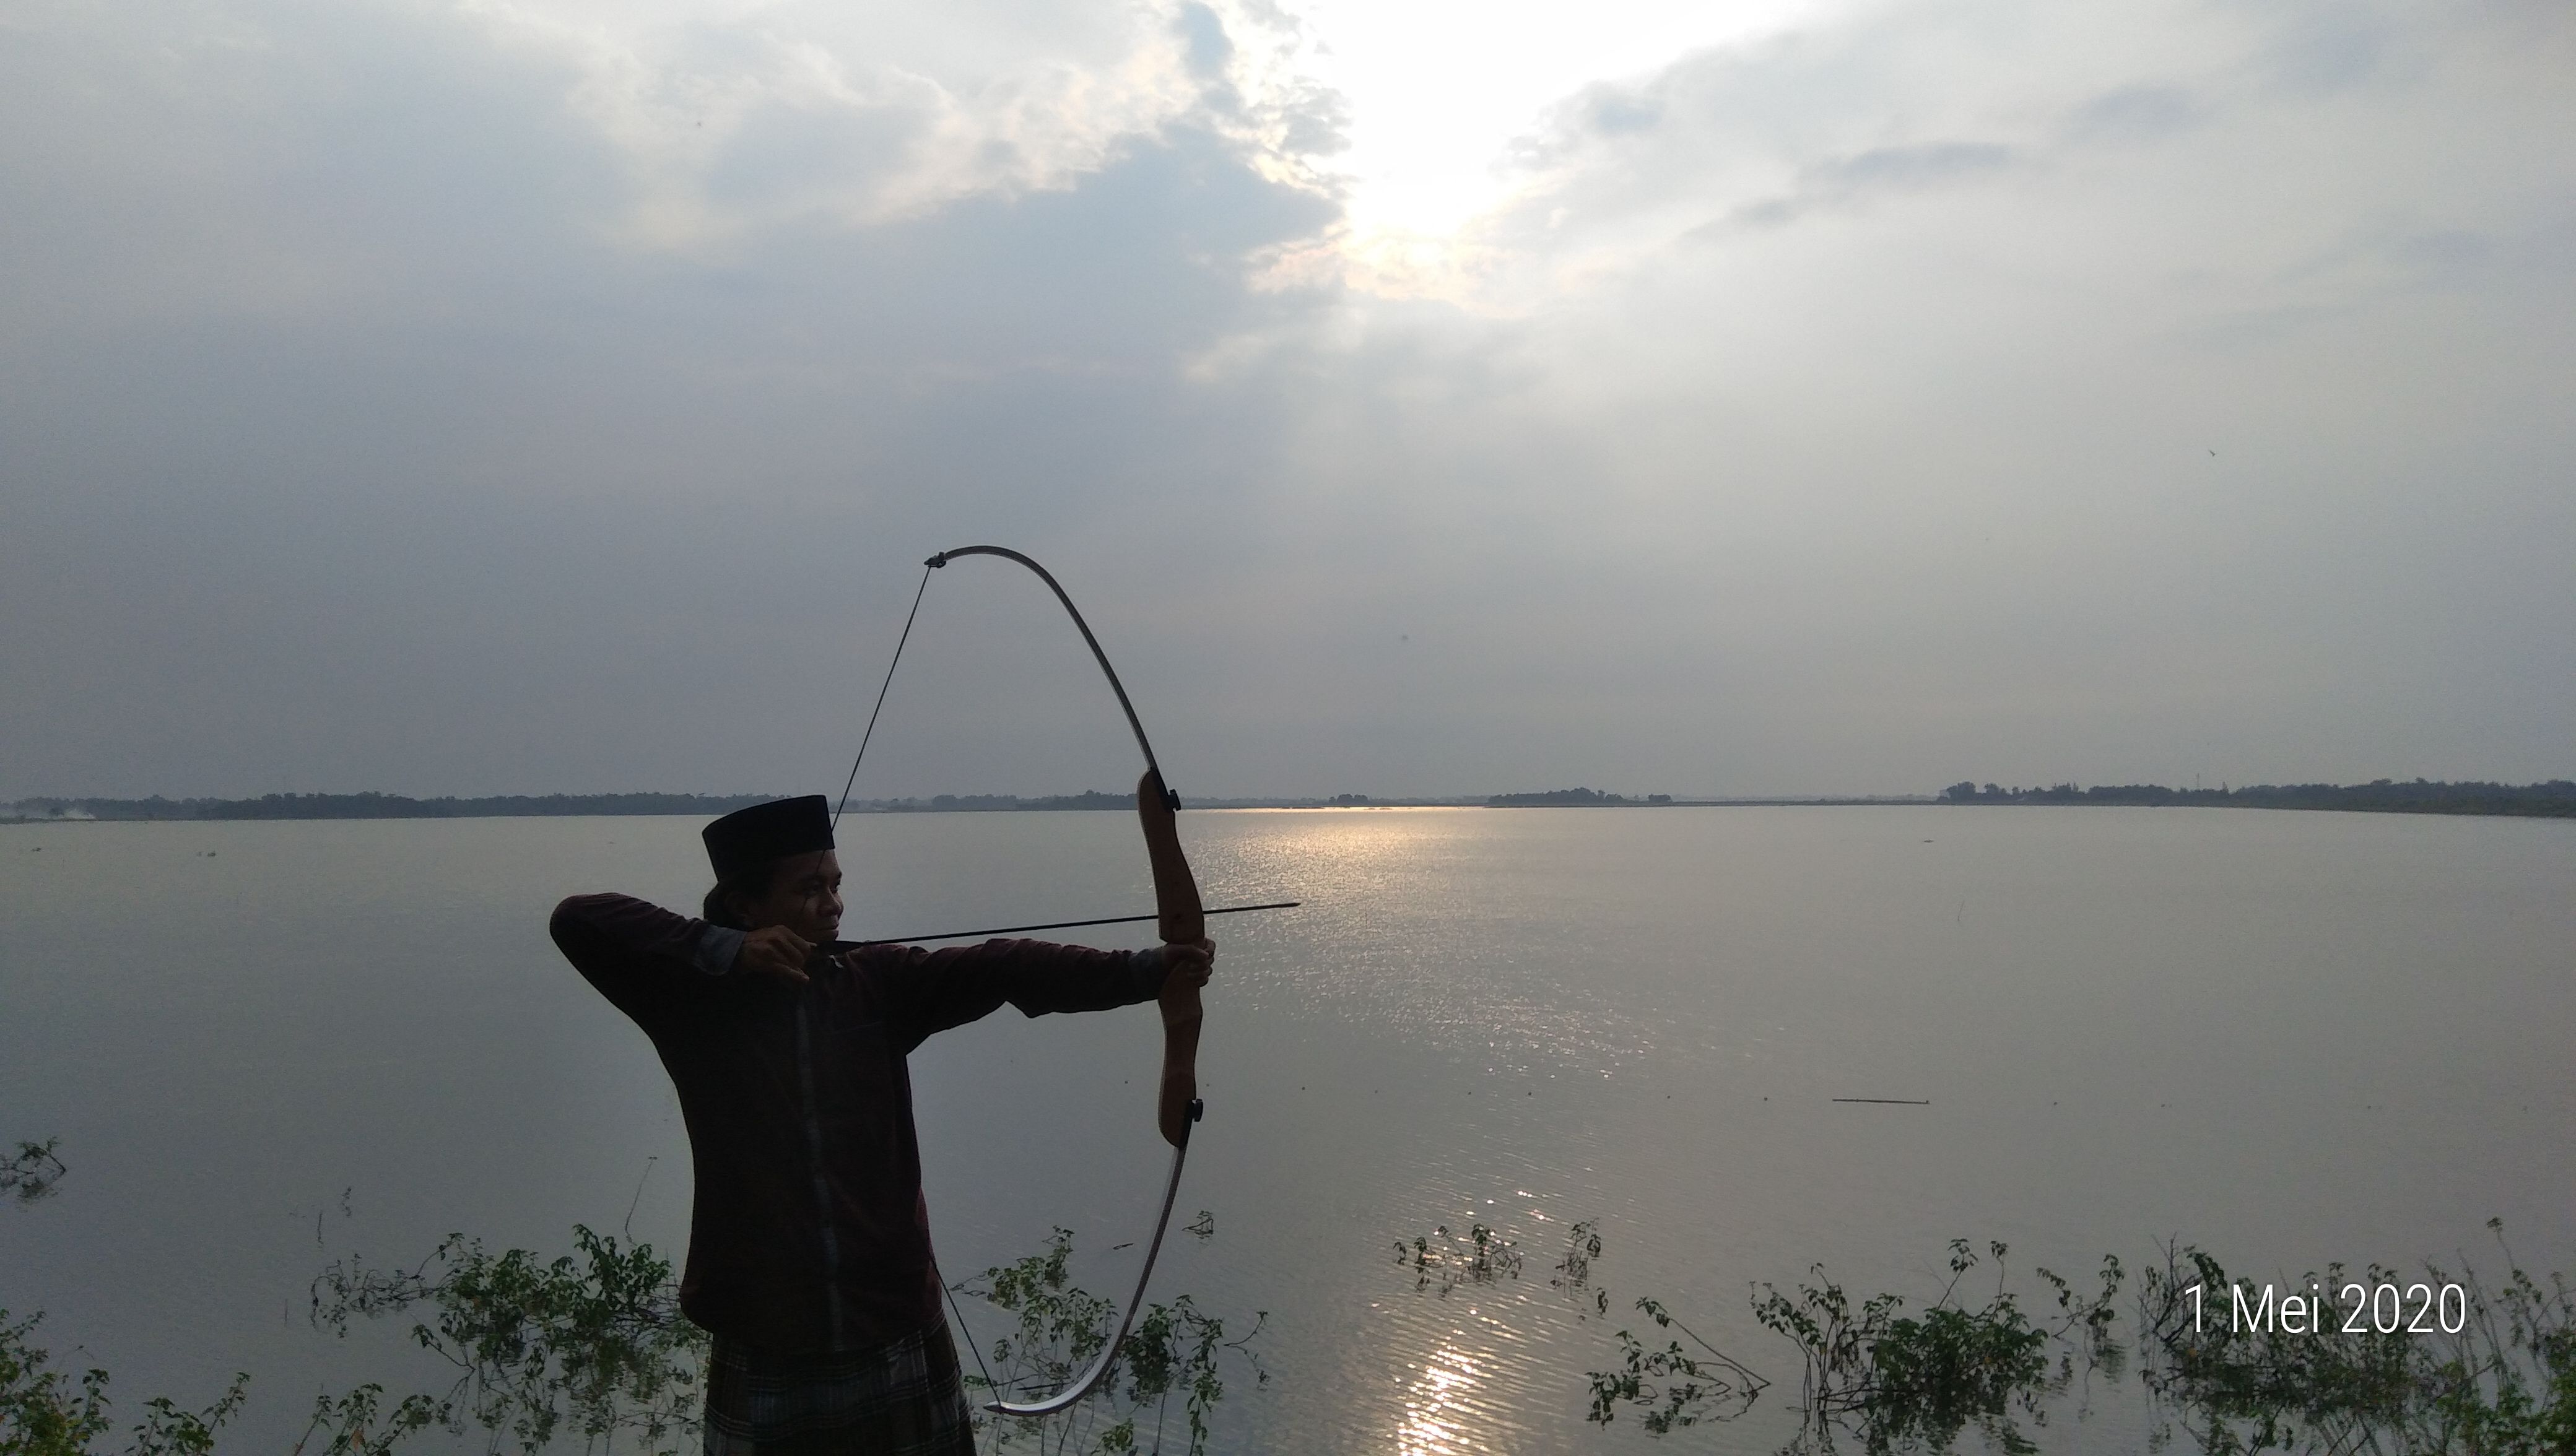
(2140, 112)
(1847, 181)
(411, 398)
(396, 410)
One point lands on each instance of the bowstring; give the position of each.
(971, 1347)
(846, 784)
(855, 759)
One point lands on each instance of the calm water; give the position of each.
(2288, 1037)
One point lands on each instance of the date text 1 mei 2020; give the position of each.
(2355, 1309)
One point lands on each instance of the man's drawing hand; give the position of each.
(774, 951)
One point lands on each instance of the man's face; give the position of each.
(804, 896)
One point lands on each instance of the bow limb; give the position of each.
(1182, 921)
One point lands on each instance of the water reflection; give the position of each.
(1441, 1408)
(1429, 1033)
(1481, 1381)
(1396, 903)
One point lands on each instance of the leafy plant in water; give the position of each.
(1174, 1350)
(1447, 1260)
(1672, 1387)
(2503, 1384)
(1930, 1377)
(32, 1172)
(1894, 1380)
(169, 1431)
(356, 1423)
(592, 1343)
(2084, 1325)
(1574, 1272)
(1834, 1343)
(1668, 1388)
(44, 1413)
(1871, 1373)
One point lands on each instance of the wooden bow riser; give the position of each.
(1181, 921)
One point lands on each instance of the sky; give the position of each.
(524, 396)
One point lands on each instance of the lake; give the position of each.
(2287, 1037)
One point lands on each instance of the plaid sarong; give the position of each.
(898, 1399)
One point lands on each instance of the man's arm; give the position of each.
(640, 955)
(928, 991)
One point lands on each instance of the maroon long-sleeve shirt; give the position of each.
(809, 1230)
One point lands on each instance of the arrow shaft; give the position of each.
(1052, 925)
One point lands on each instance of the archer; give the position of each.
(809, 1240)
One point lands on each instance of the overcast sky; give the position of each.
(1420, 398)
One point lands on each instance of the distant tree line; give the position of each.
(385, 806)
(396, 806)
(2554, 799)
(975, 803)
(1574, 798)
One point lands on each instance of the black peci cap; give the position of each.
(747, 838)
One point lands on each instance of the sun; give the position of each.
(1437, 92)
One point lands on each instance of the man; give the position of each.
(809, 1241)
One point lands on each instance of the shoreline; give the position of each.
(2555, 799)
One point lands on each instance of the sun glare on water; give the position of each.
(1441, 1408)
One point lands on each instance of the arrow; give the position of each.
(1051, 925)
